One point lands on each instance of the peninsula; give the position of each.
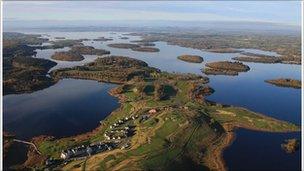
(164, 122)
(23, 73)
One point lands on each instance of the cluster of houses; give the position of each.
(114, 136)
(121, 129)
(88, 150)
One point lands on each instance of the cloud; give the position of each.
(280, 12)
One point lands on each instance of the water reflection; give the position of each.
(69, 107)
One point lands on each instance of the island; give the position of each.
(145, 49)
(287, 47)
(257, 59)
(59, 37)
(164, 122)
(67, 56)
(285, 82)
(290, 145)
(124, 38)
(103, 39)
(89, 50)
(124, 45)
(191, 58)
(225, 68)
(61, 43)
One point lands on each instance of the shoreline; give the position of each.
(217, 149)
(33, 155)
(219, 160)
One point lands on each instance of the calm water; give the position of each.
(247, 90)
(261, 151)
(69, 107)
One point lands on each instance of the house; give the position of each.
(152, 111)
(74, 152)
(144, 117)
(65, 154)
(109, 147)
(49, 161)
(125, 146)
(107, 136)
(83, 150)
(89, 150)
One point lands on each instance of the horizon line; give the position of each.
(152, 20)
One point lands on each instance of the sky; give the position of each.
(283, 12)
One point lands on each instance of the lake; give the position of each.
(254, 150)
(68, 100)
(67, 108)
